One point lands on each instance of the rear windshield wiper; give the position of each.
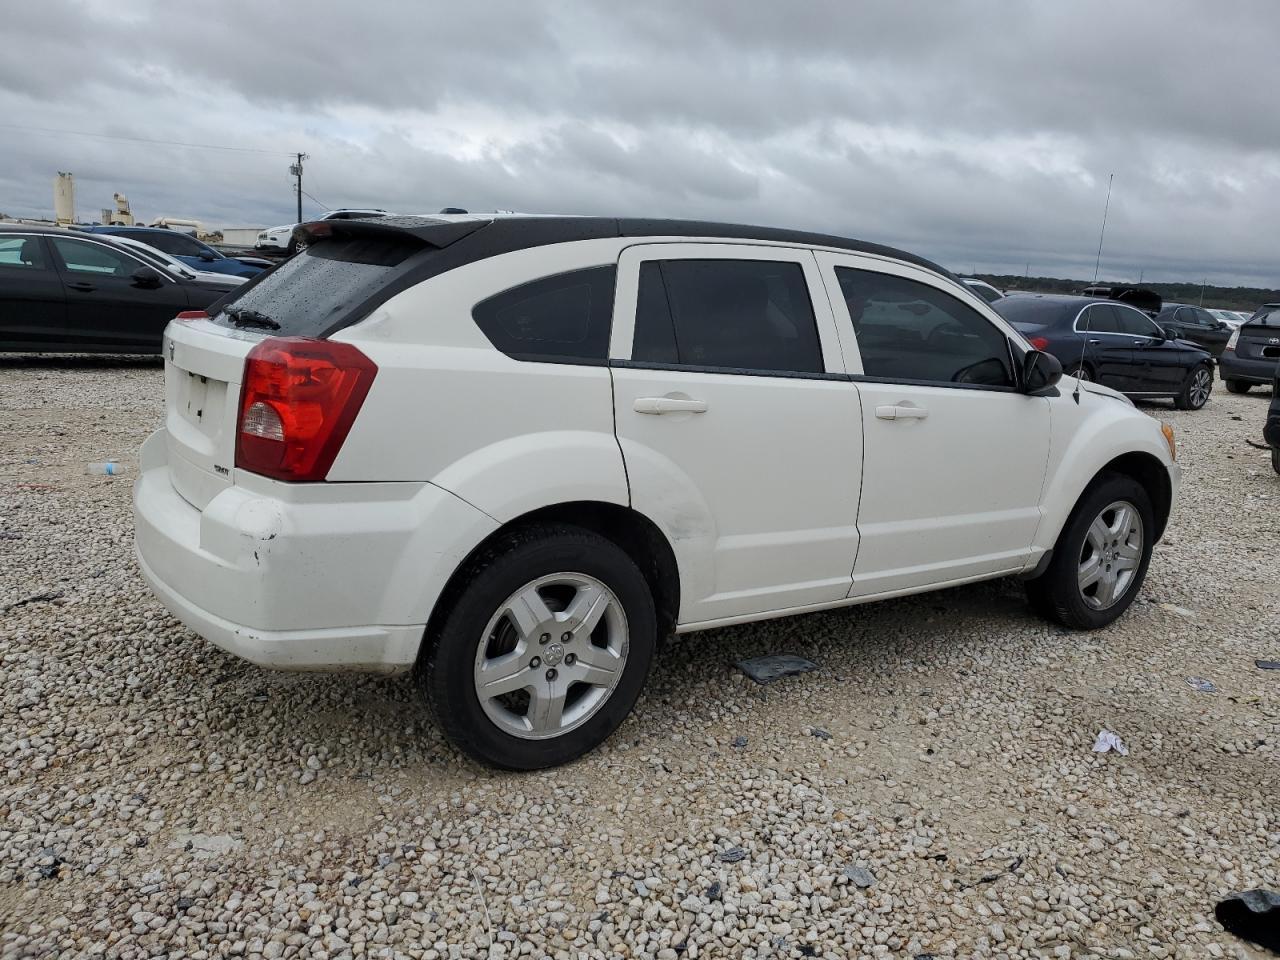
(244, 317)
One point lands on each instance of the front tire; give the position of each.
(544, 651)
(1195, 390)
(1238, 386)
(1101, 557)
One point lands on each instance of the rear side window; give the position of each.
(734, 314)
(321, 286)
(23, 252)
(911, 331)
(564, 318)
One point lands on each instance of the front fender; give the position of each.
(1086, 438)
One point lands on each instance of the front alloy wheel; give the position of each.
(1195, 392)
(1111, 555)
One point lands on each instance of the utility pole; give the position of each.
(1141, 273)
(1202, 283)
(295, 170)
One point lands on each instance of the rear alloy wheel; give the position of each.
(1101, 557)
(544, 651)
(1195, 391)
(1238, 386)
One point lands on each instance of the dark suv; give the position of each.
(1185, 322)
(1252, 355)
(1271, 432)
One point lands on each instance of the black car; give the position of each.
(1271, 432)
(1253, 352)
(1185, 322)
(63, 291)
(1113, 344)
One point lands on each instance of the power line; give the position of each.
(167, 143)
(315, 201)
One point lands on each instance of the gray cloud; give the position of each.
(978, 133)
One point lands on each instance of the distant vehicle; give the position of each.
(983, 289)
(65, 291)
(189, 250)
(1140, 298)
(176, 266)
(1196, 324)
(1252, 355)
(282, 240)
(1113, 344)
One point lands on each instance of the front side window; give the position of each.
(565, 318)
(81, 256)
(752, 315)
(911, 331)
(1137, 324)
(22, 252)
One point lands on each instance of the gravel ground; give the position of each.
(930, 792)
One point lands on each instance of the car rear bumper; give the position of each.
(331, 583)
(1233, 367)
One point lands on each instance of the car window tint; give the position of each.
(1135, 323)
(735, 314)
(1099, 318)
(565, 318)
(911, 331)
(81, 256)
(1205, 318)
(23, 252)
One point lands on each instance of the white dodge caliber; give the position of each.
(512, 454)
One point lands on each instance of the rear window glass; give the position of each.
(564, 318)
(1033, 312)
(1266, 316)
(320, 286)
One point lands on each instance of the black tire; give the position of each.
(1190, 397)
(1238, 386)
(292, 248)
(1056, 593)
(446, 669)
(1275, 459)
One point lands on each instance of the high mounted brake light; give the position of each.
(298, 401)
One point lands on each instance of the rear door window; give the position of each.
(85, 257)
(1100, 318)
(911, 331)
(752, 315)
(564, 318)
(312, 292)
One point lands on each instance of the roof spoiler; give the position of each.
(1146, 300)
(429, 231)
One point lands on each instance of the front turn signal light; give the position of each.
(1167, 430)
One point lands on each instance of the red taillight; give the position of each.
(297, 403)
(1040, 343)
(192, 315)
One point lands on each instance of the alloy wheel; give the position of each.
(1201, 385)
(1111, 555)
(551, 656)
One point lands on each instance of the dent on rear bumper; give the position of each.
(342, 579)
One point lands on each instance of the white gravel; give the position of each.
(161, 799)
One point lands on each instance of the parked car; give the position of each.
(66, 291)
(1112, 343)
(176, 266)
(1232, 318)
(1252, 355)
(983, 289)
(1271, 432)
(608, 431)
(192, 252)
(281, 238)
(1185, 322)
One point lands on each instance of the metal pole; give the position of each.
(1202, 283)
(300, 157)
(1097, 263)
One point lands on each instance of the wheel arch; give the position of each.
(1148, 471)
(633, 532)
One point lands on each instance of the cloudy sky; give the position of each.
(977, 133)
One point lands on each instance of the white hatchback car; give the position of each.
(514, 453)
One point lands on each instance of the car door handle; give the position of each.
(660, 405)
(82, 286)
(891, 411)
(1095, 341)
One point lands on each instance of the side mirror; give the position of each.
(207, 257)
(145, 277)
(1040, 372)
(1223, 325)
(1170, 331)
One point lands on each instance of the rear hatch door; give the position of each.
(1260, 337)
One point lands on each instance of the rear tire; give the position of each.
(563, 622)
(1196, 389)
(1238, 386)
(1098, 539)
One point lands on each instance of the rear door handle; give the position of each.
(660, 405)
(890, 411)
(1095, 342)
(81, 285)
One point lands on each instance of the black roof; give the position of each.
(504, 234)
